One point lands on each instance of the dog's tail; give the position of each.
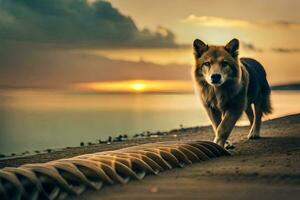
(266, 105)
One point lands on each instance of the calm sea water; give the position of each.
(37, 120)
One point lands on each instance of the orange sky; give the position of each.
(265, 27)
(268, 31)
(218, 21)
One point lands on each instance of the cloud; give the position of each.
(212, 21)
(75, 23)
(250, 47)
(286, 50)
(61, 68)
(286, 24)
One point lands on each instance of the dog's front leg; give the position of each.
(215, 117)
(225, 127)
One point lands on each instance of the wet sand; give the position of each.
(267, 168)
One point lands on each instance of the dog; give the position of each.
(228, 86)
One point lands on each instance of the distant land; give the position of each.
(290, 86)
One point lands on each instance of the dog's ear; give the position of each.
(199, 47)
(232, 47)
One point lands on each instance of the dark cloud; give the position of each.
(75, 23)
(40, 43)
(286, 50)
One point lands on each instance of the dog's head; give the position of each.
(216, 65)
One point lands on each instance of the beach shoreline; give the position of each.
(267, 168)
(190, 133)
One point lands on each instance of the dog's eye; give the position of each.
(206, 64)
(224, 63)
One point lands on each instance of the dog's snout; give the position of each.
(216, 78)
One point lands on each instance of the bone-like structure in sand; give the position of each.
(60, 178)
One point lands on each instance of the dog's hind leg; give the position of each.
(250, 115)
(255, 129)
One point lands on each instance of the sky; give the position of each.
(97, 45)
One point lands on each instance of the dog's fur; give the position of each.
(228, 86)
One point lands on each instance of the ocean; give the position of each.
(32, 119)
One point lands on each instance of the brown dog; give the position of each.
(227, 86)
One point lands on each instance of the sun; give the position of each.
(138, 87)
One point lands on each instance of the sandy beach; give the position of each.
(267, 168)
(82, 78)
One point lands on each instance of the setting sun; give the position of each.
(137, 86)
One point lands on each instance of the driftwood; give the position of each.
(72, 176)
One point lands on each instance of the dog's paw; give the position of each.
(229, 145)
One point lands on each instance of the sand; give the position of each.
(267, 168)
